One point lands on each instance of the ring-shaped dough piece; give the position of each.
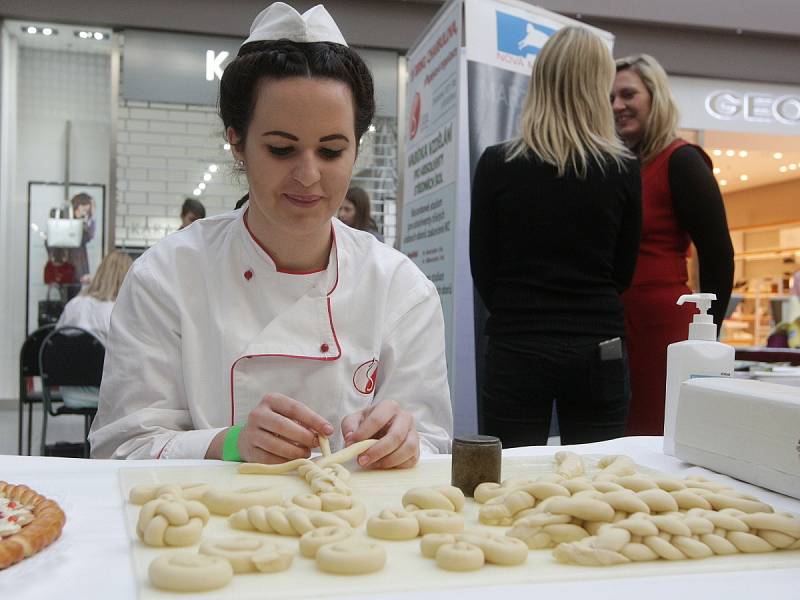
(272, 558)
(248, 554)
(431, 542)
(392, 524)
(189, 572)
(312, 541)
(225, 503)
(460, 556)
(439, 521)
(354, 556)
(446, 497)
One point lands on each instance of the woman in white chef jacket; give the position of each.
(246, 335)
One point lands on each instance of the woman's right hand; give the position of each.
(280, 429)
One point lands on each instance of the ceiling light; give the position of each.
(730, 152)
(777, 155)
(783, 169)
(207, 177)
(47, 31)
(717, 152)
(743, 177)
(98, 36)
(212, 168)
(197, 191)
(226, 146)
(793, 167)
(743, 153)
(31, 29)
(202, 186)
(723, 182)
(717, 170)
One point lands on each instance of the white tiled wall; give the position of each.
(163, 151)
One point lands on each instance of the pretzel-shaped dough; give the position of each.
(140, 494)
(393, 525)
(225, 503)
(353, 556)
(171, 521)
(282, 520)
(312, 541)
(488, 490)
(459, 556)
(696, 534)
(446, 497)
(187, 572)
(248, 555)
(497, 549)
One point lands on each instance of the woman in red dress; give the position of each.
(681, 203)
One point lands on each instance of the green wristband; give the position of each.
(230, 449)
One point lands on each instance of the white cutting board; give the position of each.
(406, 569)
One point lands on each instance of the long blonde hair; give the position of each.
(661, 126)
(109, 277)
(567, 120)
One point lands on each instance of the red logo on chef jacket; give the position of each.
(416, 107)
(365, 376)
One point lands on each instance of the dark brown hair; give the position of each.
(360, 200)
(283, 59)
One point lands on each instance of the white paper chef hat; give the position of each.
(281, 21)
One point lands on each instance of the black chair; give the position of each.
(69, 356)
(28, 369)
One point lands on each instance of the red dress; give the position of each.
(652, 319)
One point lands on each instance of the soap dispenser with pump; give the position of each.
(699, 356)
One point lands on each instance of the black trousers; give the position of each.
(525, 374)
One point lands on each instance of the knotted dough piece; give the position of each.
(569, 465)
(140, 494)
(345, 507)
(459, 556)
(226, 502)
(312, 541)
(446, 497)
(283, 520)
(434, 520)
(353, 556)
(248, 555)
(488, 490)
(392, 524)
(342, 456)
(188, 572)
(171, 521)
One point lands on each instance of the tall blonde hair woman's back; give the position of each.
(567, 121)
(661, 125)
(110, 274)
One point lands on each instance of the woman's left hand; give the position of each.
(398, 447)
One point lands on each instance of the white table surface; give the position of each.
(92, 560)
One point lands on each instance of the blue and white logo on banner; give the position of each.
(519, 36)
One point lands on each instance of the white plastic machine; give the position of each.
(747, 429)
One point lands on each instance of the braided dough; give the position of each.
(171, 521)
(186, 572)
(225, 503)
(40, 529)
(283, 520)
(248, 555)
(353, 556)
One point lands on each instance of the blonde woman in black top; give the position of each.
(554, 235)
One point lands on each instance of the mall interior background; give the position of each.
(149, 154)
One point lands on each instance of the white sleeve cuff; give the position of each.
(189, 444)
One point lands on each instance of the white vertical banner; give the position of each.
(434, 222)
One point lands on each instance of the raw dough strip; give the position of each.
(569, 465)
(225, 502)
(324, 445)
(446, 497)
(323, 481)
(282, 520)
(187, 572)
(171, 521)
(342, 456)
(697, 534)
(45, 527)
(248, 555)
